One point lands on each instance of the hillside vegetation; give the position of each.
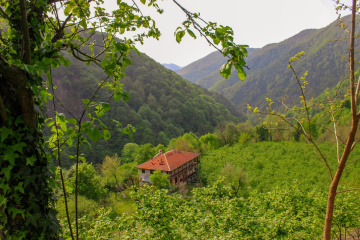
(162, 105)
(268, 75)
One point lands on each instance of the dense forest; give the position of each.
(161, 104)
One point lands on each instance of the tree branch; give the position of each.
(348, 190)
(59, 162)
(25, 32)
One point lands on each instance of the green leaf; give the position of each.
(70, 141)
(6, 172)
(225, 70)
(107, 134)
(11, 158)
(18, 147)
(104, 63)
(128, 132)
(64, 61)
(50, 123)
(94, 134)
(126, 62)
(241, 72)
(61, 117)
(20, 187)
(143, 1)
(5, 132)
(30, 161)
(179, 36)
(46, 60)
(216, 41)
(67, 10)
(85, 101)
(55, 63)
(191, 33)
(16, 211)
(102, 108)
(226, 51)
(83, 23)
(3, 200)
(72, 121)
(117, 96)
(5, 187)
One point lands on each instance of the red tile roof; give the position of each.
(168, 161)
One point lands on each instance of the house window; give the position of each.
(143, 170)
(176, 180)
(151, 171)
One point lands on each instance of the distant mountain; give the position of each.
(269, 76)
(171, 66)
(162, 104)
(206, 71)
(202, 67)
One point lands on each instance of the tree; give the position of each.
(32, 43)
(127, 152)
(208, 142)
(309, 130)
(227, 133)
(89, 184)
(262, 133)
(160, 180)
(143, 153)
(109, 168)
(188, 142)
(235, 177)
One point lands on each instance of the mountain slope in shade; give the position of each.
(269, 76)
(171, 66)
(162, 105)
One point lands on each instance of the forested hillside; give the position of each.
(205, 71)
(268, 75)
(162, 105)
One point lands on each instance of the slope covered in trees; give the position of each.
(205, 71)
(162, 105)
(268, 75)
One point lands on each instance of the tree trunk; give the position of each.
(351, 139)
(25, 193)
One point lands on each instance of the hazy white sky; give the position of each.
(255, 23)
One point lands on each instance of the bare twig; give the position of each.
(59, 162)
(63, 106)
(348, 190)
(304, 98)
(352, 161)
(137, 7)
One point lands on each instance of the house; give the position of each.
(180, 166)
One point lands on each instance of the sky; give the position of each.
(255, 23)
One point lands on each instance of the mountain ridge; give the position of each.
(268, 75)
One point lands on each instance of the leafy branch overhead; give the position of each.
(215, 35)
